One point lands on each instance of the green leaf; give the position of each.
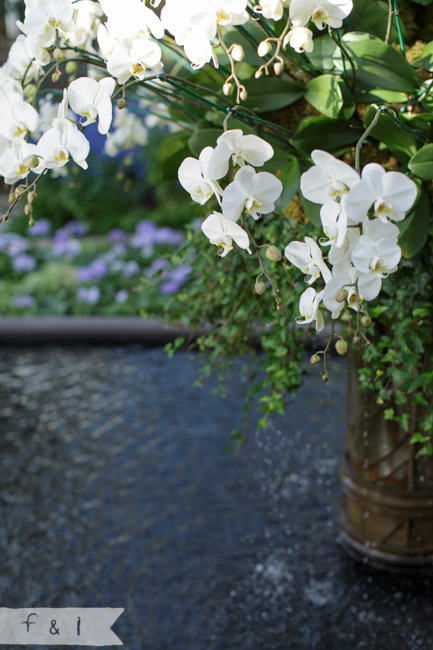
(388, 414)
(418, 437)
(378, 67)
(416, 231)
(426, 450)
(426, 58)
(171, 153)
(203, 138)
(325, 133)
(322, 56)
(372, 17)
(421, 162)
(289, 177)
(329, 95)
(271, 94)
(399, 142)
(312, 210)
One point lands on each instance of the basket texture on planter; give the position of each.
(387, 514)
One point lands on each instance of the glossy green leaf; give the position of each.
(271, 94)
(171, 153)
(203, 138)
(289, 176)
(322, 56)
(426, 58)
(371, 16)
(421, 163)
(328, 94)
(400, 143)
(325, 133)
(416, 226)
(378, 67)
(312, 210)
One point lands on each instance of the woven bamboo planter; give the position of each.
(387, 514)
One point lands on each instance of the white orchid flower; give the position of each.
(18, 117)
(345, 276)
(45, 18)
(91, 99)
(391, 194)
(222, 232)
(128, 57)
(320, 12)
(85, 24)
(307, 256)
(309, 309)
(194, 177)
(300, 39)
(193, 24)
(330, 178)
(379, 257)
(26, 56)
(378, 229)
(334, 222)
(63, 141)
(230, 12)
(252, 192)
(131, 19)
(18, 161)
(241, 149)
(270, 9)
(344, 252)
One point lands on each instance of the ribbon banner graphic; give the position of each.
(59, 626)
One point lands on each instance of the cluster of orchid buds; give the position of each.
(356, 215)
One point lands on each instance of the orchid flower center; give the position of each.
(382, 208)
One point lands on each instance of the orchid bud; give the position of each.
(273, 254)
(356, 339)
(71, 67)
(237, 52)
(31, 161)
(57, 53)
(278, 67)
(55, 76)
(366, 320)
(260, 287)
(258, 73)
(314, 360)
(31, 197)
(227, 88)
(341, 347)
(31, 221)
(30, 91)
(341, 295)
(325, 377)
(243, 95)
(121, 103)
(264, 48)
(28, 209)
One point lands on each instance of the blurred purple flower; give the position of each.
(144, 237)
(89, 295)
(22, 301)
(180, 273)
(117, 235)
(130, 268)
(62, 234)
(15, 244)
(168, 236)
(122, 296)
(145, 227)
(170, 287)
(24, 262)
(42, 228)
(160, 264)
(77, 228)
(67, 247)
(94, 272)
